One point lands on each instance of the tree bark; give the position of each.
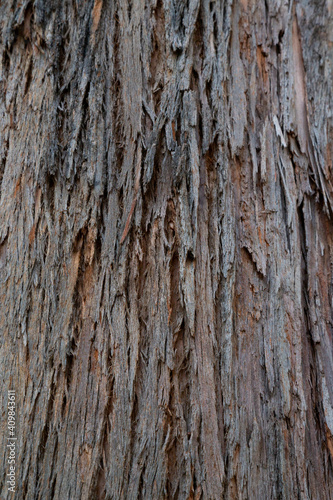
(166, 258)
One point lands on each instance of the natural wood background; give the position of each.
(166, 258)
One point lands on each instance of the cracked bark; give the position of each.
(166, 248)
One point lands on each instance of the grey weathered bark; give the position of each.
(167, 248)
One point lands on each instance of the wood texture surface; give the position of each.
(166, 248)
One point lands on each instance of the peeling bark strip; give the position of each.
(136, 189)
(166, 248)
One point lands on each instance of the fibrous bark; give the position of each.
(166, 258)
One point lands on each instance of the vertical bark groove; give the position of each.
(166, 252)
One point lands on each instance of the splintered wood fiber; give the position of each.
(166, 248)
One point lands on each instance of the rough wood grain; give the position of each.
(166, 248)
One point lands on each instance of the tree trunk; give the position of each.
(166, 258)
